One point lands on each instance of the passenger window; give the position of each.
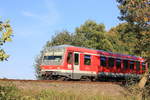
(118, 63)
(143, 66)
(132, 65)
(87, 60)
(137, 65)
(76, 59)
(103, 61)
(125, 64)
(111, 62)
(69, 58)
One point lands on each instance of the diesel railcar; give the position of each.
(71, 62)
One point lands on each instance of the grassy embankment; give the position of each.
(11, 91)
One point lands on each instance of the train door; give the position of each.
(76, 65)
(70, 60)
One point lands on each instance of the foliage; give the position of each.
(125, 38)
(5, 36)
(146, 90)
(134, 90)
(92, 35)
(136, 13)
(60, 38)
(38, 61)
(9, 92)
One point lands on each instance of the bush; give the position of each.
(9, 92)
(134, 90)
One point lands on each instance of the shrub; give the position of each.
(9, 92)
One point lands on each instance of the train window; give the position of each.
(69, 58)
(137, 65)
(76, 59)
(118, 63)
(132, 65)
(52, 57)
(46, 57)
(87, 60)
(103, 61)
(111, 62)
(125, 64)
(143, 66)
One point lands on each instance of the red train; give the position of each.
(71, 62)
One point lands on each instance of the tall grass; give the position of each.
(10, 92)
(57, 95)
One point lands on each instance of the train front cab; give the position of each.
(52, 66)
(72, 63)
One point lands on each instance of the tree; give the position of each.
(60, 38)
(136, 14)
(5, 36)
(124, 39)
(93, 35)
(37, 64)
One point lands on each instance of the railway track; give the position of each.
(59, 81)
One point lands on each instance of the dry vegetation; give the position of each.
(18, 90)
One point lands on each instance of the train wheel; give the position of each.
(63, 78)
(85, 78)
(93, 79)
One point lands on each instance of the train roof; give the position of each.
(100, 51)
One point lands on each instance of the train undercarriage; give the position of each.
(52, 75)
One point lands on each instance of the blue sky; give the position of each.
(35, 21)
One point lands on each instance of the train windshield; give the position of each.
(53, 56)
(52, 59)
